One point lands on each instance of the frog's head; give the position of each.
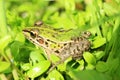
(32, 34)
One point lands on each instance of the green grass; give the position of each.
(19, 58)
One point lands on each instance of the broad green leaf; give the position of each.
(98, 42)
(38, 69)
(89, 75)
(36, 57)
(15, 48)
(101, 66)
(69, 5)
(99, 54)
(81, 66)
(55, 75)
(26, 66)
(89, 58)
(20, 37)
(20, 52)
(113, 65)
(4, 65)
(110, 9)
(4, 42)
(89, 67)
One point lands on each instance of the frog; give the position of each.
(58, 41)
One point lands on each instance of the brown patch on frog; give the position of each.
(40, 40)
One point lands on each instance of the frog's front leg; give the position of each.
(47, 54)
(55, 65)
(62, 57)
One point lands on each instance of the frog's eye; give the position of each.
(33, 34)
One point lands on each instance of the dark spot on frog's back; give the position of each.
(65, 44)
(74, 51)
(57, 51)
(51, 41)
(70, 44)
(53, 35)
(46, 43)
(78, 48)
